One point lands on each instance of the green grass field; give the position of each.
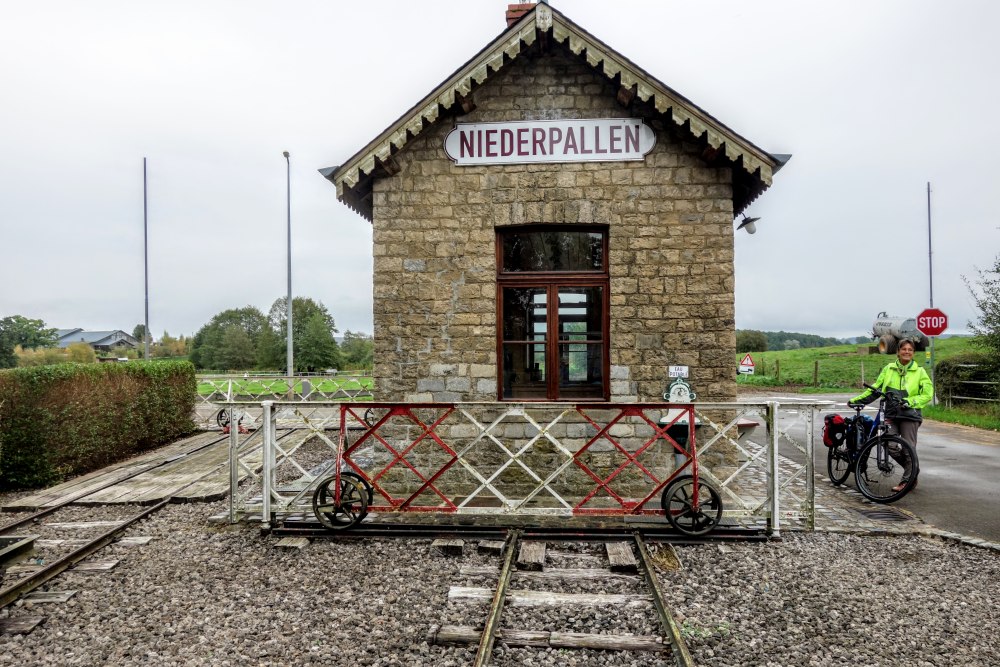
(842, 368)
(263, 386)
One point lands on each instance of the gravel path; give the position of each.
(207, 594)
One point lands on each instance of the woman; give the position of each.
(910, 380)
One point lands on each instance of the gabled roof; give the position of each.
(752, 166)
(100, 338)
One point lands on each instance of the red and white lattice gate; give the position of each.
(342, 461)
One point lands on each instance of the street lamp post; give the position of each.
(288, 189)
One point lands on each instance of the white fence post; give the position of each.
(772, 464)
(268, 472)
(234, 462)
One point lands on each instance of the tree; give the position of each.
(139, 332)
(16, 330)
(357, 350)
(236, 350)
(751, 341)
(792, 344)
(317, 348)
(208, 341)
(304, 313)
(986, 295)
(168, 346)
(270, 350)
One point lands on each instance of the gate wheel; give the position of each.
(353, 505)
(678, 504)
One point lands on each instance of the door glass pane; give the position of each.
(552, 251)
(581, 313)
(525, 313)
(581, 370)
(524, 370)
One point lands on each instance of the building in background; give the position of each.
(101, 341)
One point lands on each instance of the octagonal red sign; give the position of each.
(932, 322)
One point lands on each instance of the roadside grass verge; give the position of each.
(981, 416)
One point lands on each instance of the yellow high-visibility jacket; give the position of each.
(911, 378)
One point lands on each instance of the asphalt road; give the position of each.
(959, 488)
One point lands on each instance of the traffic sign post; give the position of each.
(932, 322)
(746, 365)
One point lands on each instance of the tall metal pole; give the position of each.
(930, 274)
(288, 184)
(145, 258)
(930, 264)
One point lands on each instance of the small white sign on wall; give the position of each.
(677, 372)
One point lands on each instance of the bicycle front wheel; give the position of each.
(838, 463)
(886, 469)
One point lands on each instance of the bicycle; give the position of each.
(885, 466)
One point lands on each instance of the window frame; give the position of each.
(552, 281)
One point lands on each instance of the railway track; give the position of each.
(60, 554)
(634, 575)
(308, 527)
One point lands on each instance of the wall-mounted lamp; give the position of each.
(748, 224)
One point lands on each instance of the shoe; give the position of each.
(902, 485)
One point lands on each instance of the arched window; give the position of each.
(552, 312)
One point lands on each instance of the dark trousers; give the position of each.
(907, 430)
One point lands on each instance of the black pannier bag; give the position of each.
(834, 430)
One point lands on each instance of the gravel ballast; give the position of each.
(210, 594)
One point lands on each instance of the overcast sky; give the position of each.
(873, 99)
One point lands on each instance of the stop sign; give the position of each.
(932, 322)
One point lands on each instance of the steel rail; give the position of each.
(28, 584)
(682, 658)
(313, 529)
(36, 579)
(488, 637)
(74, 498)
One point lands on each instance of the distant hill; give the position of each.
(784, 340)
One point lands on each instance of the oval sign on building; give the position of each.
(581, 140)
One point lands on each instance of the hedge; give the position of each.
(970, 374)
(67, 419)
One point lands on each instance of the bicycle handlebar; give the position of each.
(878, 392)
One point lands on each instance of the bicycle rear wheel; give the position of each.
(885, 463)
(838, 463)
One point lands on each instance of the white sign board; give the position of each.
(746, 365)
(518, 142)
(677, 372)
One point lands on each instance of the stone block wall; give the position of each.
(669, 221)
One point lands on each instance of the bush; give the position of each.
(962, 375)
(67, 419)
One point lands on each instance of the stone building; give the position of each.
(553, 223)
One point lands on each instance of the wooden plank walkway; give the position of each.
(175, 470)
(85, 484)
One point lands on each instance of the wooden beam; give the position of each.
(389, 165)
(549, 598)
(625, 96)
(532, 556)
(621, 557)
(455, 635)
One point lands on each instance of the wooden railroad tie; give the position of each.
(455, 635)
(20, 626)
(449, 547)
(531, 557)
(621, 557)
